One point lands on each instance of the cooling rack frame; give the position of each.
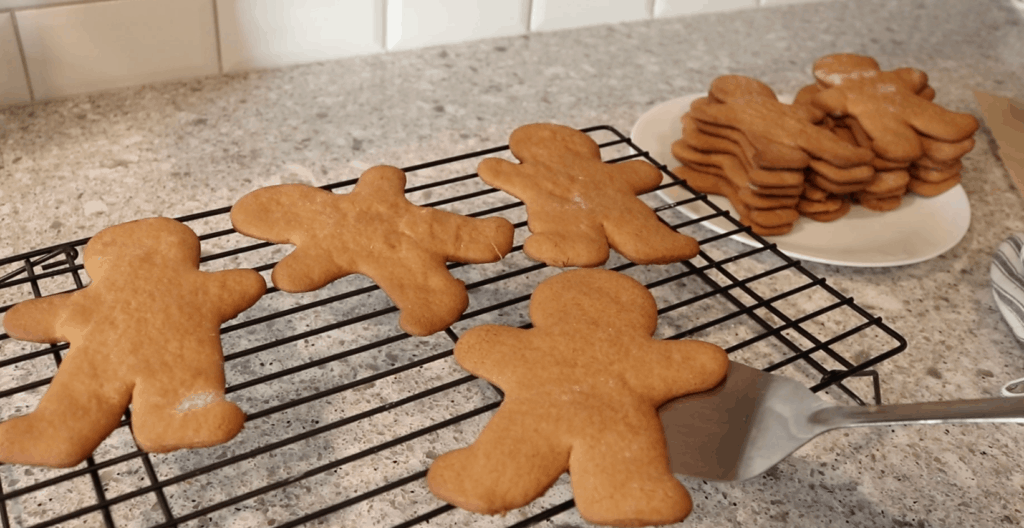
(735, 293)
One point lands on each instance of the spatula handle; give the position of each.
(1009, 410)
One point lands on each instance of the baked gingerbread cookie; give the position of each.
(577, 206)
(145, 331)
(582, 389)
(752, 107)
(887, 105)
(374, 231)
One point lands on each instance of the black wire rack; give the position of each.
(346, 412)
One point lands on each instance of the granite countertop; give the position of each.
(74, 166)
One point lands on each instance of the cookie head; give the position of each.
(832, 70)
(134, 246)
(388, 183)
(543, 141)
(731, 88)
(593, 297)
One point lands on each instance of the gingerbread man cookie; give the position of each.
(374, 231)
(577, 205)
(145, 331)
(582, 389)
(887, 105)
(752, 107)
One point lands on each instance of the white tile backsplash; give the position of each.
(97, 46)
(547, 15)
(767, 3)
(13, 4)
(418, 23)
(80, 46)
(13, 84)
(273, 33)
(666, 8)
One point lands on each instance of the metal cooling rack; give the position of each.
(346, 411)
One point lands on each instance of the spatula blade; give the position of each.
(741, 428)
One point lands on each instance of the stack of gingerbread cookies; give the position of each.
(858, 135)
(917, 143)
(743, 143)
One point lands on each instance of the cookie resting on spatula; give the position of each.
(374, 231)
(145, 331)
(577, 205)
(582, 389)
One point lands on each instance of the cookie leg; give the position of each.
(79, 410)
(631, 487)
(425, 292)
(509, 465)
(648, 241)
(176, 410)
(474, 240)
(569, 244)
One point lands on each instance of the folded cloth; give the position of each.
(1008, 289)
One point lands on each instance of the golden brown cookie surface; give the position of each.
(935, 175)
(831, 216)
(887, 105)
(578, 206)
(146, 330)
(792, 127)
(930, 189)
(582, 388)
(374, 231)
(733, 168)
(713, 184)
(888, 181)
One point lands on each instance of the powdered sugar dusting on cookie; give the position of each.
(196, 401)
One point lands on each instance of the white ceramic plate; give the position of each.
(920, 229)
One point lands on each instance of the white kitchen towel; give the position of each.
(1008, 289)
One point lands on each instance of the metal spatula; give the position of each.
(753, 420)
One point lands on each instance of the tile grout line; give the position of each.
(529, 16)
(21, 53)
(216, 37)
(384, 25)
(54, 4)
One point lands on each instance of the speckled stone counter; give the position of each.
(73, 167)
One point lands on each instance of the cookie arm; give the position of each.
(677, 368)
(937, 122)
(823, 144)
(462, 238)
(234, 291)
(277, 213)
(501, 174)
(483, 351)
(891, 137)
(639, 175)
(832, 101)
(36, 320)
(915, 80)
